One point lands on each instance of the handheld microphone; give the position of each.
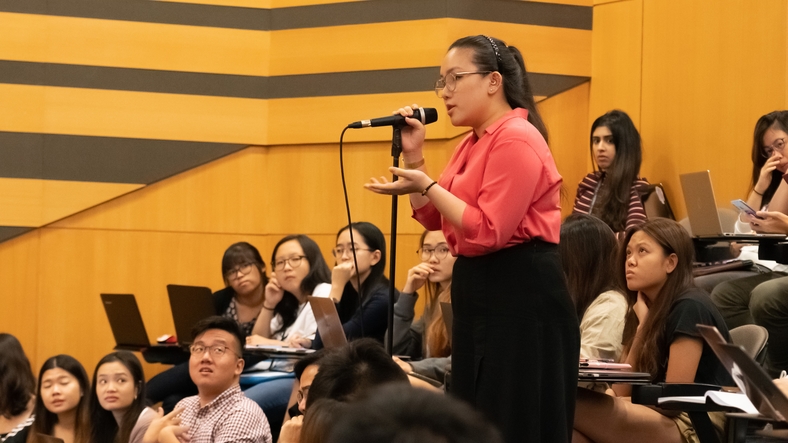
(424, 115)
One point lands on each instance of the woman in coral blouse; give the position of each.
(515, 340)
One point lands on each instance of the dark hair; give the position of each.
(588, 249)
(307, 361)
(508, 61)
(612, 199)
(242, 253)
(399, 414)
(222, 323)
(373, 238)
(320, 420)
(287, 308)
(45, 421)
(673, 239)
(777, 120)
(17, 385)
(350, 372)
(105, 428)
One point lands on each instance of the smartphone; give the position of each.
(745, 208)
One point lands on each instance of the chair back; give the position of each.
(753, 339)
(655, 202)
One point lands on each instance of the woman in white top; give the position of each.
(117, 400)
(588, 251)
(299, 271)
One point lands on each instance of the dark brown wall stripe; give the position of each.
(9, 232)
(102, 159)
(372, 11)
(290, 86)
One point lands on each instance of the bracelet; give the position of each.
(424, 192)
(753, 190)
(267, 308)
(418, 164)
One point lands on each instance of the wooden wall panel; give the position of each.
(19, 282)
(616, 59)
(709, 72)
(130, 44)
(566, 117)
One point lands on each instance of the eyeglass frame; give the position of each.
(232, 274)
(766, 153)
(289, 261)
(432, 251)
(302, 393)
(441, 83)
(211, 350)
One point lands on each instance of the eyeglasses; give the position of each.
(244, 269)
(440, 252)
(778, 145)
(339, 251)
(302, 393)
(450, 81)
(294, 262)
(215, 351)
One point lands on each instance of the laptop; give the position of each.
(328, 324)
(125, 321)
(189, 304)
(702, 209)
(749, 376)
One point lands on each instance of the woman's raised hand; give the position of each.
(417, 276)
(641, 309)
(411, 181)
(273, 292)
(765, 177)
(342, 273)
(413, 135)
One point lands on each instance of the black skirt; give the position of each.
(516, 341)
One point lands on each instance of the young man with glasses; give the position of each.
(219, 412)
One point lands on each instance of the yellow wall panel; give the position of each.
(19, 280)
(566, 118)
(127, 44)
(566, 2)
(616, 59)
(266, 4)
(708, 74)
(56, 110)
(545, 49)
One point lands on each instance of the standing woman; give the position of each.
(117, 400)
(612, 193)
(515, 340)
(62, 401)
(17, 391)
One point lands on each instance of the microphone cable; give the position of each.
(350, 228)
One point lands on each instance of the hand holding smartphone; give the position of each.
(744, 207)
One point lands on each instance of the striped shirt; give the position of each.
(636, 214)
(230, 417)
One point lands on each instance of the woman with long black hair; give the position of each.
(515, 339)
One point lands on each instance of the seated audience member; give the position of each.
(612, 193)
(427, 338)
(219, 413)
(305, 371)
(117, 400)
(243, 270)
(399, 414)
(762, 299)
(656, 263)
(588, 256)
(320, 421)
(350, 372)
(299, 272)
(62, 401)
(769, 163)
(363, 311)
(17, 391)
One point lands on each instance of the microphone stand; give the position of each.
(396, 151)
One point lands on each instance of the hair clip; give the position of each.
(495, 48)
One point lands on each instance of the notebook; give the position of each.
(702, 209)
(189, 304)
(125, 321)
(328, 324)
(748, 375)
